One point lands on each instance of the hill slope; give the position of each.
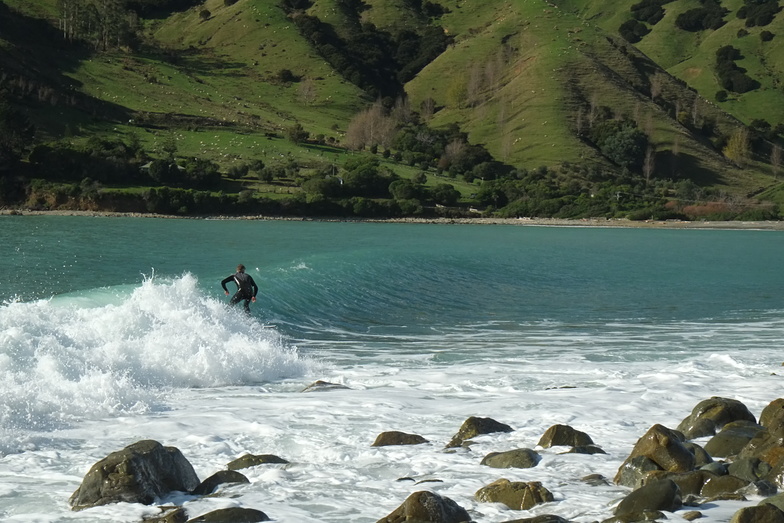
(527, 80)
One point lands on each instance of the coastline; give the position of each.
(535, 222)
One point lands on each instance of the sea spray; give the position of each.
(103, 354)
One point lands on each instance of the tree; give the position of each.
(370, 127)
(649, 164)
(307, 91)
(297, 134)
(16, 135)
(775, 160)
(445, 194)
(737, 148)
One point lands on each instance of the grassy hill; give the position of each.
(225, 80)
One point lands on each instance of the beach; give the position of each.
(541, 222)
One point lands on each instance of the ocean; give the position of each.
(114, 330)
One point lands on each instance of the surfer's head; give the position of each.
(240, 268)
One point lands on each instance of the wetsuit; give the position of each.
(246, 288)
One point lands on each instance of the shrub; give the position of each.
(766, 36)
(721, 96)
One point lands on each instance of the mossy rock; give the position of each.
(394, 437)
(231, 515)
(517, 458)
(474, 426)
(516, 495)
(252, 460)
(564, 435)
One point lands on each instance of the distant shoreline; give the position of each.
(540, 222)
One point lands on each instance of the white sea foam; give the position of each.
(84, 375)
(121, 352)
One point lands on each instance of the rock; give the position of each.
(656, 495)
(768, 446)
(231, 515)
(689, 483)
(394, 437)
(473, 427)
(662, 446)
(750, 469)
(518, 458)
(762, 488)
(427, 507)
(516, 495)
(691, 515)
(639, 517)
(168, 514)
(732, 438)
(777, 500)
(252, 460)
(544, 518)
(760, 514)
(701, 456)
(772, 416)
(221, 477)
(712, 414)
(558, 435)
(139, 473)
(587, 449)
(322, 386)
(721, 485)
(717, 468)
(634, 471)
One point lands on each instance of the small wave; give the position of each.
(101, 353)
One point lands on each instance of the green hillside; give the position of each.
(536, 84)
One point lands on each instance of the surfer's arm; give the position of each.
(255, 287)
(225, 281)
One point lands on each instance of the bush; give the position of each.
(632, 31)
(766, 36)
(721, 96)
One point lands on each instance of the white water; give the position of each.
(84, 375)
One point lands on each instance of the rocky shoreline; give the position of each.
(666, 472)
(536, 222)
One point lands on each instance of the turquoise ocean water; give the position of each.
(113, 323)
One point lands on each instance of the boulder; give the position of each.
(221, 477)
(231, 515)
(689, 483)
(768, 446)
(662, 446)
(252, 460)
(427, 507)
(759, 514)
(394, 437)
(516, 495)
(777, 500)
(772, 416)
(517, 458)
(732, 438)
(655, 495)
(558, 435)
(544, 518)
(473, 427)
(750, 469)
(140, 473)
(169, 514)
(712, 414)
(585, 449)
(323, 386)
(701, 456)
(634, 470)
(762, 488)
(718, 486)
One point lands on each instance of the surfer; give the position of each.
(246, 287)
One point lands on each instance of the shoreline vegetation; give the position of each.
(770, 225)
